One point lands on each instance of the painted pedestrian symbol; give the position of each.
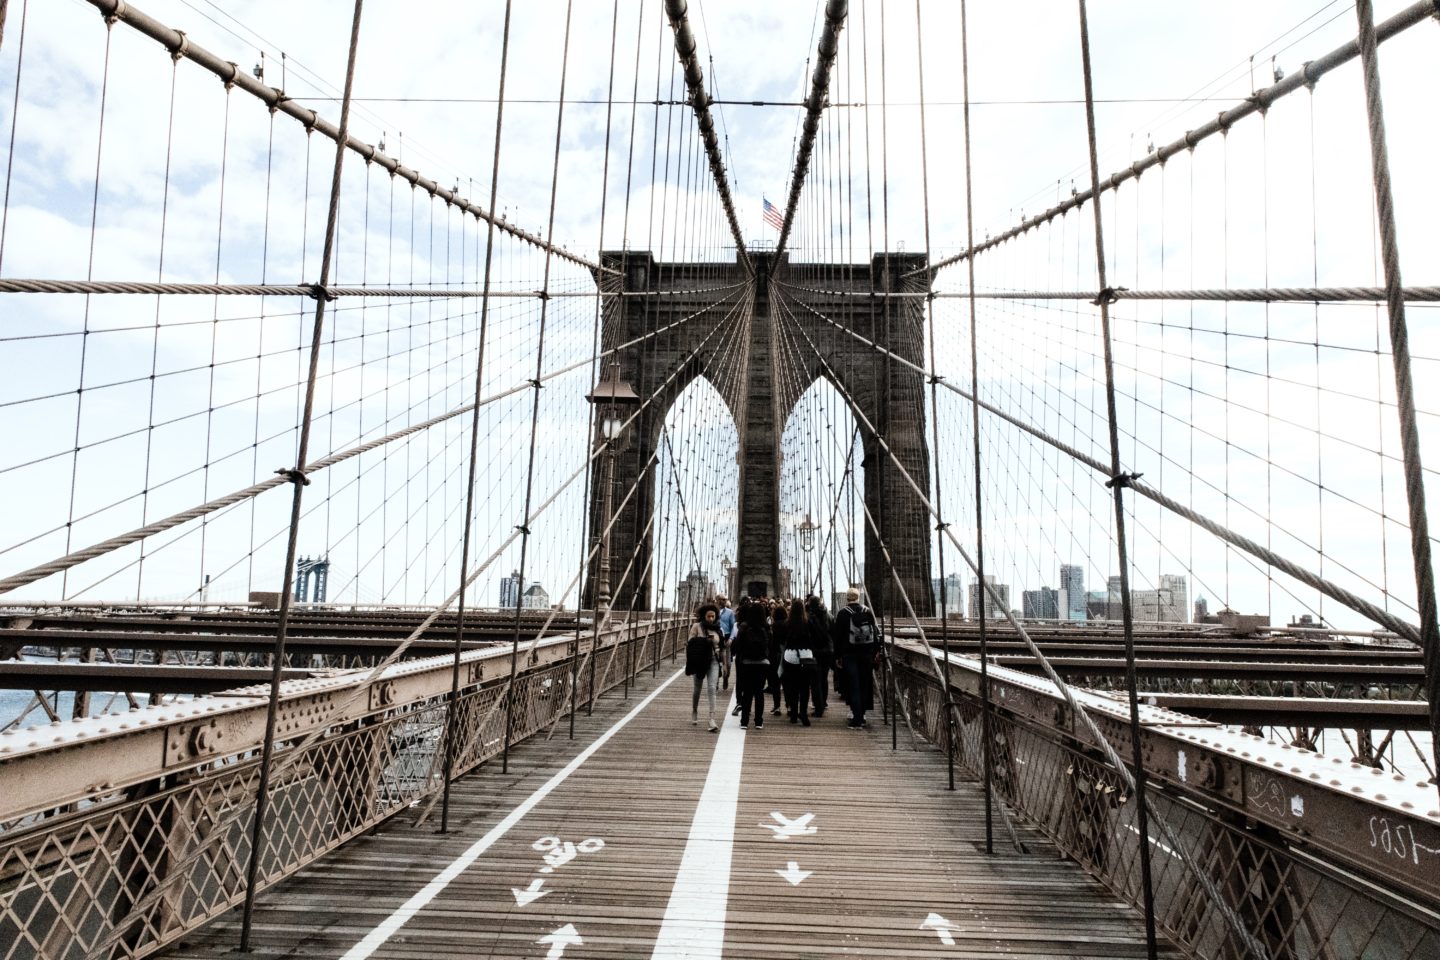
(943, 928)
(785, 828)
(794, 874)
(560, 852)
(566, 936)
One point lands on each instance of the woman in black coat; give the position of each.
(798, 663)
(818, 620)
(752, 656)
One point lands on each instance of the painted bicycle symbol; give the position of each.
(560, 852)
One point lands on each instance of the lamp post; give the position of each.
(807, 543)
(612, 397)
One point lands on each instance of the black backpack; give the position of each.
(863, 631)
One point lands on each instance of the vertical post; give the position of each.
(298, 481)
(1117, 483)
(1404, 387)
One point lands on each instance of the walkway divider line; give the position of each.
(694, 924)
(392, 924)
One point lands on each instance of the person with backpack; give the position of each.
(752, 656)
(856, 638)
(817, 618)
(706, 654)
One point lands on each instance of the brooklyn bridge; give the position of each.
(386, 388)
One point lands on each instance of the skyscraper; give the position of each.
(954, 595)
(982, 600)
(510, 588)
(1072, 591)
(1042, 604)
(1179, 589)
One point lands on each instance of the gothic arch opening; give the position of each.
(822, 495)
(696, 485)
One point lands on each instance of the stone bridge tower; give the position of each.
(762, 340)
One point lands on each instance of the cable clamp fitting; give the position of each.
(1108, 296)
(318, 291)
(935, 379)
(535, 382)
(293, 476)
(182, 49)
(1309, 81)
(542, 294)
(1123, 480)
(523, 529)
(941, 527)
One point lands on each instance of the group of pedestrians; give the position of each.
(783, 649)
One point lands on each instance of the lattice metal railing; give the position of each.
(134, 866)
(1298, 894)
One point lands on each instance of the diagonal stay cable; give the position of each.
(1333, 590)
(1257, 102)
(174, 520)
(1077, 710)
(180, 46)
(360, 688)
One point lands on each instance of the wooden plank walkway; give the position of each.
(884, 848)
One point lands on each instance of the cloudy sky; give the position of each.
(1277, 421)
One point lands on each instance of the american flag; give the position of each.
(772, 215)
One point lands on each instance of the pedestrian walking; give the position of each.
(705, 658)
(778, 629)
(798, 663)
(752, 656)
(856, 638)
(817, 618)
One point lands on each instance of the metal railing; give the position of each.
(118, 835)
(1320, 858)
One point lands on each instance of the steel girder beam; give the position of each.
(81, 760)
(1296, 711)
(135, 678)
(1333, 807)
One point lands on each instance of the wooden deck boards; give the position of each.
(891, 846)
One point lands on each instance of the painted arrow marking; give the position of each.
(523, 898)
(566, 936)
(785, 828)
(942, 928)
(794, 874)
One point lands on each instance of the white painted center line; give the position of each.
(392, 924)
(694, 924)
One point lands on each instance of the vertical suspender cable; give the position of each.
(14, 114)
(950, 718)
(1404, 387)
(599, 312)
(452, 708)
(975, 434)
(1117, 483)
(536, 384)
(299, 481)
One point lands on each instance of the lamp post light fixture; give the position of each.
(807, 543)
(612, 398)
